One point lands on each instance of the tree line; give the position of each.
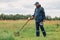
(18, 17)
(13, 17)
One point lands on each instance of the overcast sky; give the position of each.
(52, 7)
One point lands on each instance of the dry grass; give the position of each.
(10, 26)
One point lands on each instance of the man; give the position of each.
(39, 16)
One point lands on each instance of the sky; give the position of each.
(25, 7)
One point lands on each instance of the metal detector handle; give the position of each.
(24, 25)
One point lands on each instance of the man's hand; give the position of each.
(30, 18)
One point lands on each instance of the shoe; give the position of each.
(44, 34)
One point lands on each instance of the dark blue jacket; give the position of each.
(39, 14)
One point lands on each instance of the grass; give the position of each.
(7, 29)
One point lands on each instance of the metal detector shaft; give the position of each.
(24, 25)
(18, 32)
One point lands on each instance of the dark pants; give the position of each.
(39, 25)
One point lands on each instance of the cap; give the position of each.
(36, 3)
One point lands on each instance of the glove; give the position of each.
(30, 18)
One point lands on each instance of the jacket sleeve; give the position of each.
(43, 13)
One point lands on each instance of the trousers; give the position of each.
(39, 25)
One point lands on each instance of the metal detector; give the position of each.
(18, 33)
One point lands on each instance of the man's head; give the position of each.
(37, 4)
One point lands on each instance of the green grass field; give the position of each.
(7, 29)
